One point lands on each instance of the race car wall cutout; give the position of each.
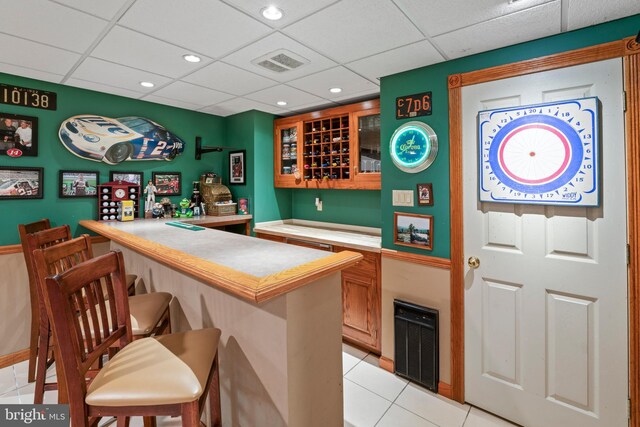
(113, 141)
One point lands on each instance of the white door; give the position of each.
(546, 310)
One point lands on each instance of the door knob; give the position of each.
(473, 262)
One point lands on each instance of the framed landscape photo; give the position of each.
(167, 183)
(134, 177)
(18, 135)
(413, 230)
(21, 183)
(237, 170)
(425, 194)
(78, 183)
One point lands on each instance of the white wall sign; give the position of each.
(540, 154)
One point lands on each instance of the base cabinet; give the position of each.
(361, 293)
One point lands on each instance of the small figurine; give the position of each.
(150, 190)
(196, 200)
(157, 211)
(243, 207)
(185, 211)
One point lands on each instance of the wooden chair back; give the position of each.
(23, 230)
(76, 305)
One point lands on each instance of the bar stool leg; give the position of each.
(41, 365)
(33, 344)
(190, 414)
(214, 396)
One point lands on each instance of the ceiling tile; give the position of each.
(28, 72)
(522, 26)
(397, 60)
(292, 96)
(582, 13)
(243, 58)
(435, 18)
(136, 50)
(99, 71)
(351, 30)
(24, 53)
(103, 88)
(320, 83)
(232, 79)
(173, 102)
(293, 9)
(364, 93)
(193, 94)
(239, 105)
(209, 27)
(41, 21)
(101, 8)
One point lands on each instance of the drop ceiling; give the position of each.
(112, 46)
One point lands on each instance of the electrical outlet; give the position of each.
(319, 205)
(402, 197)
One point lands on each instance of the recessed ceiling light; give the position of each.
(335, 90)
(147, 84)
(191, 58)
(512, 1)
(282, 103)
(272, 13)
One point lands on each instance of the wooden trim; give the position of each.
(457, 245)
(430, 261)
(386, 364)
(10, 249)
(13, 358)
(246, 286)
(632, 125)
(626, 48)
(444, 390)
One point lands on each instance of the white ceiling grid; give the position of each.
(111, 46)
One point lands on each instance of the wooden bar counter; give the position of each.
(278, 306)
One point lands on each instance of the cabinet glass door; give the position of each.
(289, 150)
(369, 143)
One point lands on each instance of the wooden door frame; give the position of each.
(629, 51)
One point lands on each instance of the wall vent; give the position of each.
(280, 61)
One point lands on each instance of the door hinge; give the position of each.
(628, 254)
(624, 100)
(628, 409)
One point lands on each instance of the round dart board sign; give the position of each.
(413, 147)
(543, 154)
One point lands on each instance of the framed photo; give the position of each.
(237, 170)
(413, 230)
(425, 194)
(167, 183)
(79, 183)
(18, 135)
(135, 177)
(21, 183)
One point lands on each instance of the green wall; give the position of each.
(434, 78)
(53, 157)
(354, 207)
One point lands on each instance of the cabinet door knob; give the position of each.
(473, 262)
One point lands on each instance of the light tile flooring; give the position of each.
(373, 397)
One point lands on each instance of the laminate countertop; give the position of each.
(355, 237)
(254, 269)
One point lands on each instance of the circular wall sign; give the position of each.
(413, 147)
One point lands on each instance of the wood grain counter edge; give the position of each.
(246, 286)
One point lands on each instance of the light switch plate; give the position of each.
(402, 197)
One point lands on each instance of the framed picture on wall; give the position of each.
(167, 183)
(413, 230)
(237, 168)
(425, 194)
(18, 135)
(135, 177)
(78, 183)
(21, 183)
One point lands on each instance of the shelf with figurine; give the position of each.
(109, 196)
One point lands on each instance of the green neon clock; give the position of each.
(413, 147)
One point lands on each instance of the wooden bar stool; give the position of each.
(163, 375)
(150, 312)
(23, 230)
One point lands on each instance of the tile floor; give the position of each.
(373, 397)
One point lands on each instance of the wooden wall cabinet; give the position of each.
(337, 148)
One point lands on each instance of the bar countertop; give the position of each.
(253, 269)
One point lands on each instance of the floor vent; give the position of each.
(416, 343)
(280, 61)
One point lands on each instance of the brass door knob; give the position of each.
(473, 262)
